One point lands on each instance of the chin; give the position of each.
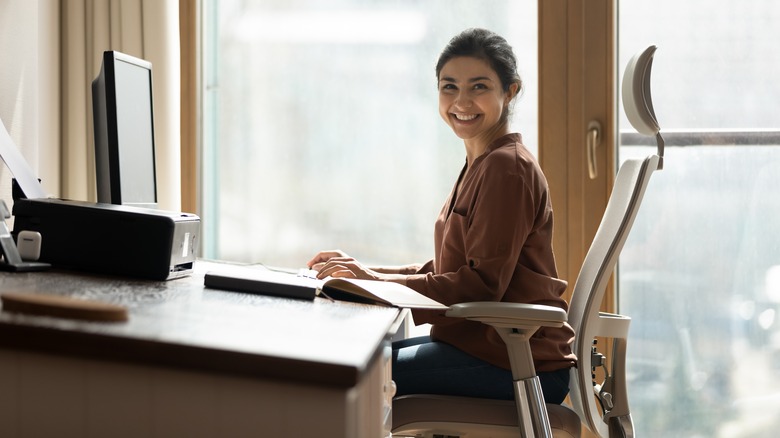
(463, 135)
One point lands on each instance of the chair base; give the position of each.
(428, 415)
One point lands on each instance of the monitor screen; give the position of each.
(122, 111)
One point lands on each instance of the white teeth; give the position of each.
(465, 117)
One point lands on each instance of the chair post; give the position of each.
(531, 410)
(532, 416)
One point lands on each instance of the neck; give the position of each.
(476, 146)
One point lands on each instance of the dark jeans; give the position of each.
(423, 366)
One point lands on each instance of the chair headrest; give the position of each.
(637, 99)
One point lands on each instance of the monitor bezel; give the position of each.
(108, 169)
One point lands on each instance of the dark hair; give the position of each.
(488, 46)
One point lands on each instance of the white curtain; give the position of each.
(147, 29)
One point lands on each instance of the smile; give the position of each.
(465, 117)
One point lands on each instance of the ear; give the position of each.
(511, 93)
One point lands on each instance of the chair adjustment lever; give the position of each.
(606, 400)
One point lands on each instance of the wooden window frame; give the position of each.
(189, 35)
(577, 56)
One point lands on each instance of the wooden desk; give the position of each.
(193, 361)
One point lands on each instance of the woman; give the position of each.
(493, 240)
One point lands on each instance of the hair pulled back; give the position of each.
(487, 46)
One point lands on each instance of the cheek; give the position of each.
(496, 107)
(444, 108)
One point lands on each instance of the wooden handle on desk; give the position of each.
(62, 306)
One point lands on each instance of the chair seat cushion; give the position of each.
(429, 409)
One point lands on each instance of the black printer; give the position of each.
(109, 238)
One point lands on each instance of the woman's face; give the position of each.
(471, 98)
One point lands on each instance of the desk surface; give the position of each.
(180, 323)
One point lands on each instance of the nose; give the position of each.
(462, 101)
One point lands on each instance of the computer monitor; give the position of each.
(124, 131)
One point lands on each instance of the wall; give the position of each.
(29, 87)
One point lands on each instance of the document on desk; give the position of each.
(293, 286)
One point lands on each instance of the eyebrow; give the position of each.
(476, 79)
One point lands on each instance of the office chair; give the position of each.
(601, 406)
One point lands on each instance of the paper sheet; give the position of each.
(18, 165)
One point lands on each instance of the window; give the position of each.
(700, 273)
(322, 125)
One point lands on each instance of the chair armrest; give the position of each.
(515, 323)
(509, 314)
(611, 325)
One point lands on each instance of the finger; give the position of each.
(330, 269)
(325, 269)
(321, 265)
(320, 258)
(324, 256)
(336, 260)
(333, 253)
(343, 273)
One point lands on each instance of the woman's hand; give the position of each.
(322, 257)
(336, 263)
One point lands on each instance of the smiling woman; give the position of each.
(492, 241)
(321, 128)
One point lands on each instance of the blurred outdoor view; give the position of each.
(324, 124)
(322, 131)
(700, 273)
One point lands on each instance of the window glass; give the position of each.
(322, 124)
(700, 272)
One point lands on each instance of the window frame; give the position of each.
(577, 80)
(190, 38)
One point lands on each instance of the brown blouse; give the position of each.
(493, 242)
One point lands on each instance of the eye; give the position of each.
(480, 86)
(447, 87)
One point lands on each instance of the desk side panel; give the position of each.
(46, 395)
